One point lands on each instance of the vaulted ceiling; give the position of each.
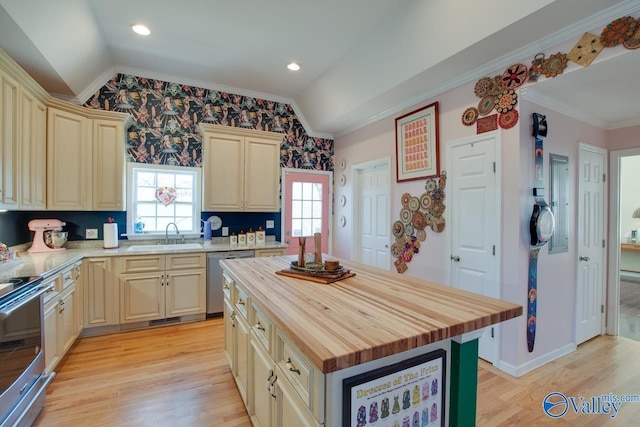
(361, 59)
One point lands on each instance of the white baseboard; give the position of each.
(529, 366)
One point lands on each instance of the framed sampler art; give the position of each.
(409, 393)
(417, 144)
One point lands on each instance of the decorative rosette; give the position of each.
(483, 86)
(514, 76)
(405, 199)
(509, 119)
(555, 65)
(618, 31)
(486, 104)
(470, 116)
(506, 101)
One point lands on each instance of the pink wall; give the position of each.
(621, 139)
(557, 272)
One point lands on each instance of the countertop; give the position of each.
(45, 264)
(375, 314)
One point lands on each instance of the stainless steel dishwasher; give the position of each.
(215, 297)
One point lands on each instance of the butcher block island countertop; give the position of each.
(374, 314)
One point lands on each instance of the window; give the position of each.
(306, 208)
(159, 195)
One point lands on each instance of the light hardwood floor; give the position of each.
(178, 376)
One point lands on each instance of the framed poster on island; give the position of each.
(417, 150)
(408, 393)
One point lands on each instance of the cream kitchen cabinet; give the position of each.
(60, 317)
(100, 292)
(269, 252)
(241, 169)
(9, 141)
(33, 151)
(154, 287)
(69, 157)
(85, 159)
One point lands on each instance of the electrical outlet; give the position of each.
(225, 231)
(92, 233)
(270, 223)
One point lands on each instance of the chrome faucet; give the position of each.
(166, 233)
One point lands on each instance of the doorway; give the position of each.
(623, 296)
(371, 224)
(306, 207)
(473, 166)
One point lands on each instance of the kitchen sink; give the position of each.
(163, 247)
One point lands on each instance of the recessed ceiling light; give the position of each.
(293, 66)
(141, 29)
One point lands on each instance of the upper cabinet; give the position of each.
(69, 158)
(241, 169)
(9, 141)
(33, 149)
(85, 159)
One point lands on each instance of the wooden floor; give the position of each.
(178, 376)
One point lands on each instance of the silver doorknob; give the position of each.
(455, 258)
(584, 258)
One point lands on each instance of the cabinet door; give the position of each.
(67, 315)
(185, 292)
(261, 375)
(51, 350)
(101, 293)
(108, 165)
(229, 335)
(142, 297)
(68, 161)
(9, 142)
(78, 302)
(290, 410)
(223, 168)
(33, 152)
(262, 174)
(241, 331)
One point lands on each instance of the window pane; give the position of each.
(146, 209)
(296, 227)
(307, 190)
(147, 179)
(149, 223)
(296, 191)
(306, 209)
(317, 226)
(317, 191)
(184, 210)
(146, 194)
(184, 181)
(306, 227)
(166, 180)
(184, 196)
(317, 210)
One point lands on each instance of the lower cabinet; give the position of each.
(273, 397)
(61, 324)
(154, 287)
(100, 293)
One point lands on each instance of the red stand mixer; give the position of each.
(41, 228)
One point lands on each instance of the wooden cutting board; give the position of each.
(326, 278)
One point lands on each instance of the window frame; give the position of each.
(131, 188)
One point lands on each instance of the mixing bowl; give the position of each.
(56, 239)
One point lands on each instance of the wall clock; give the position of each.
(216, 222)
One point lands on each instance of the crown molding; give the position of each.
(575, 30)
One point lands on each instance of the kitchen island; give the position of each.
(344, 353)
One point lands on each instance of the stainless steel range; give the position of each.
(22, 378)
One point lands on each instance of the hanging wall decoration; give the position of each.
(555, 65)
(586, 50)
(618, 31)
(416, 215)
(166, 195)
(487, 124)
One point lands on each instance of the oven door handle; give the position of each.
(41, 290)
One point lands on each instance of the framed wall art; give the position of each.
(417, 150)
(409, 393)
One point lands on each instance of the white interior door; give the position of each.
(373, 226)
(591, 242)
(474, 225)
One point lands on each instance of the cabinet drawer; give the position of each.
(262, 327)
(298, 370)
(142, 264)
(68, 277)
(241, 301)
(227, 285)
(185, 261)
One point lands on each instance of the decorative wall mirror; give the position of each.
(559, 200)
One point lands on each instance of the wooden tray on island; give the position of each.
(318, 275)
